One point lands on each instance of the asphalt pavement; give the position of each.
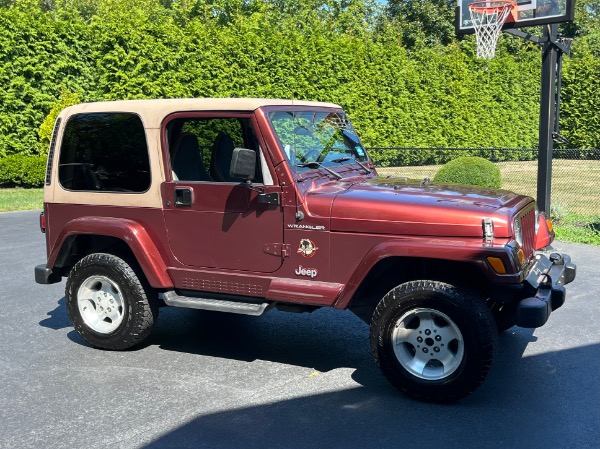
(210, 380)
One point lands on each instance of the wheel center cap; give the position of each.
(104, 300)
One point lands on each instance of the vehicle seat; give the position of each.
(220, 163)
(187, 162)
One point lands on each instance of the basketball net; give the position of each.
(488, 18)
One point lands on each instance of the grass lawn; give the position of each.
(578, 229)
(21, 199)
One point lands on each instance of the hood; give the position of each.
(405, 207)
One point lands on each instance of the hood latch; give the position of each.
(488, 230)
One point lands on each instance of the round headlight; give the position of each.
(518, 231)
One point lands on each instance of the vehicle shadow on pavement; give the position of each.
(525, 403)
(57, 318)
(323, 340)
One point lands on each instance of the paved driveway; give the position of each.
(208, 380)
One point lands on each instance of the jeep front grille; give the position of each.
(528, 227)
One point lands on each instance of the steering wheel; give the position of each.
(311, 156)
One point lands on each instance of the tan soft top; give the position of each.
(152, 112)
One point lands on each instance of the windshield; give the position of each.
(309, 137)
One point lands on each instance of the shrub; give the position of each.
(470, 170)
(47, 127)
(21, 170)
(558, 211)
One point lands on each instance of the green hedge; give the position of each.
(23, 171)
(471, 171)
(349, 52)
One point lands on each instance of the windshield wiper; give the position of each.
(345, 159)
(319, 165)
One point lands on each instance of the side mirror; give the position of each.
(243, 164)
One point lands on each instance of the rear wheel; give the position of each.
(109, 305)
(433, 342)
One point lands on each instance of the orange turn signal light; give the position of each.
(497, 265)
(549, 223)
(521, 256)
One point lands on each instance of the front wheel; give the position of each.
(109, 305)
(433, 342)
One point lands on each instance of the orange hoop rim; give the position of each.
(491, 6)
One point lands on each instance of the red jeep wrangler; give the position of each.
(243, 205)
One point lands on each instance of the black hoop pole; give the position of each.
(558, 91)
(552, 51)
(547, 117)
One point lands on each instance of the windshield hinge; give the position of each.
(277, 249)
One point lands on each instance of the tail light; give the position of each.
(42, 223)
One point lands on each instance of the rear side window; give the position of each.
(105, 152)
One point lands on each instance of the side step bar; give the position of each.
(171, 298)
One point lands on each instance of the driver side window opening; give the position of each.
(200, 149)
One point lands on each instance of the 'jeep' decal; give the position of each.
(310, 272)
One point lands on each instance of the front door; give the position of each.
(213, 220)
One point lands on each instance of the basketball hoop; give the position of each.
(488, 17)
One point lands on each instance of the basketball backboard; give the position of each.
(528, 13)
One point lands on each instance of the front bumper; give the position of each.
(546, 280)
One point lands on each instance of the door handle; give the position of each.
(183, 196)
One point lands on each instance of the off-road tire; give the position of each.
(462, 313)
(139, 309)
